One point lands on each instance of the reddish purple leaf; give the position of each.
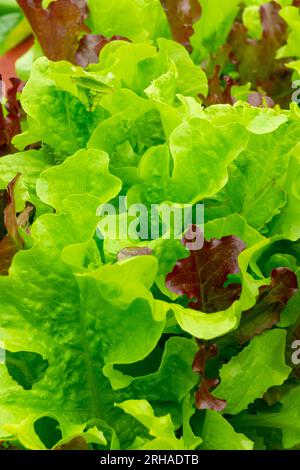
(271, 302)
(205, 352)
(202, 275)
(11, 241)
(182, 14)
(77, 443)
(205, 400)
(218, 94)
(58, 28)
(3, 135)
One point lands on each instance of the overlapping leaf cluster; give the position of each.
(138, 344)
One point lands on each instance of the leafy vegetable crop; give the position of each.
(122, 342)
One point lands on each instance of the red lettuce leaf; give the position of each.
(10, 122)
(258, 100)
(7, 252)
(133, 251)
(203, 274)
(10, 218)
(182, 14)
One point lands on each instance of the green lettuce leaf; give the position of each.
(161, 428)
(138, 20)
(212, 29)
(258, 187)
(287, 419)
(56, 115)
(291, 16)
(218, 434)
(208, 326)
